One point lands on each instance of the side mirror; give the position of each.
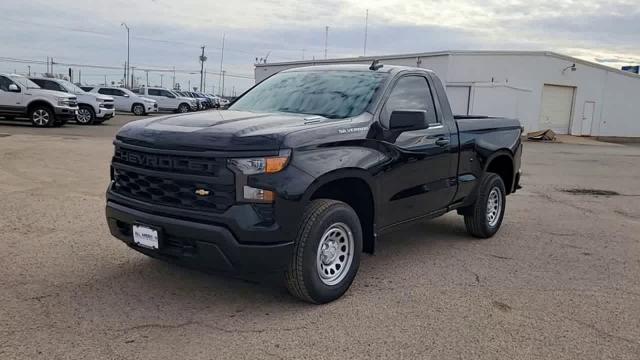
(125, 95)
(14, 88)
(407, 120)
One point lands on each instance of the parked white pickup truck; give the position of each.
(21, 98)
(167, 99)
(92, 108)
(126, 100)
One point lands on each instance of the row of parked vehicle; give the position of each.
(53, 102)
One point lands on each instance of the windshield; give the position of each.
(332, 94)
(24, 82)
(71, 87)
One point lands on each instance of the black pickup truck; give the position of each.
(304, 170)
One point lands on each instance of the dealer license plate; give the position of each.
(145, 236)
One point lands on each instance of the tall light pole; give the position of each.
(326, 40)
(366, 28)
(128, 52)
(161, 76)
(220, 80)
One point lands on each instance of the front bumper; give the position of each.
(207, 245)
(151, 108)
(65, 113)
(105, 113)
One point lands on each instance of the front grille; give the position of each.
(73, 103)
(193, 183)
(107, 106)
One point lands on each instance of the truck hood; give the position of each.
(48, 93)
(101, 97)
(215, 130)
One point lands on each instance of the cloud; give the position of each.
(167, 33)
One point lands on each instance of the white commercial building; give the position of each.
(544, 90)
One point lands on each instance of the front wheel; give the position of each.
(327, 252)
(42, 116)
(138, 110)
(183, 108)
(86, 115)
(484, 217)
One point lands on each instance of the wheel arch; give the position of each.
(355, 188)
(137, 103)
(501, 162)
(39, 102)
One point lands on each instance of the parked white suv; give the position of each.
(126, 100)
(167, 99)
(21, 97)
(92, 108)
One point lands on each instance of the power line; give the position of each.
(110, 67)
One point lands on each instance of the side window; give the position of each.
(49, 85)
(166, 94)
(4, 83)
(409, 93)
(105, 91)
(154, 92)
(117, 92)
(136, 91)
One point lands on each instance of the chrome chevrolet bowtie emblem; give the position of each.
(202, 192)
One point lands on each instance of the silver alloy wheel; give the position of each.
(138, 110)
(335, 254)
(41, 117)
(494, 206)
(84, 116)
(183, 108)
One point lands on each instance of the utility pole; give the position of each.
(124, 83)
(174, 77)
(221, 80)
(52, 66)
(132, 70)
(366, 28)
(223, 83)
(202, 60)
(161, 76)
(80, 76)
(147, 74)
(29, 66)
(326, 40)
(128, 54)
(105, 80)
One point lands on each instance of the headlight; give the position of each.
(265, 165)
(64, 101)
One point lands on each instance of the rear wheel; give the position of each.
(42, 116)
(138, 109)
(327, 252)
(484, 217)
(86, 115)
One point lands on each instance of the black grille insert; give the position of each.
(173, 192)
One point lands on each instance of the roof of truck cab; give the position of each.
(356, 67)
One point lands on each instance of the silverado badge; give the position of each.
(202, 192)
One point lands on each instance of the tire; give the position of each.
(319, 276)
(42, 116)
(86, 115)
(138, 110)
(483, 219)
(184, 108)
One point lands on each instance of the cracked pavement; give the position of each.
(561, 280)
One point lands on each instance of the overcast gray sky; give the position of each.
(167, 33)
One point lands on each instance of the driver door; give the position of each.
(10, 102)
(416, 182)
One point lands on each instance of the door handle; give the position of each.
(442, 142)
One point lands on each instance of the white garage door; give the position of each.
(557, 102)
(459, 99)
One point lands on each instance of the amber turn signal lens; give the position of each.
(275, 164)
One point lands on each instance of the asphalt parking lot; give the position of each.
(560, 280)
